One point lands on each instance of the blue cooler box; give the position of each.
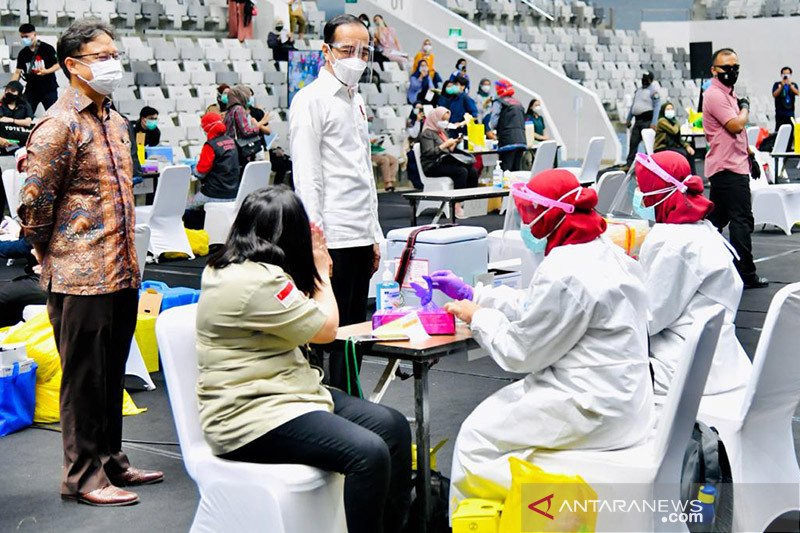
(462, 249)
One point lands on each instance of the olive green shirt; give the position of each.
(251, 321)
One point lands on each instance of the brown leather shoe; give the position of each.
(133, 477)
(109, 496)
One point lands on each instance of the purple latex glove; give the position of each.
(423, 293)
(450, 284)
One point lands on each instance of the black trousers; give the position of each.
(93, 335)
(730, 193)
(511, 160)
(352, 270)
(46, 99)
(16, 294)
(369, 443)
(636, 136)
(684, 153)
(463, 176)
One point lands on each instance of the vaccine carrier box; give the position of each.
(462, 249)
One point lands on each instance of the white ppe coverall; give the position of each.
(689, 268)
(579, 333)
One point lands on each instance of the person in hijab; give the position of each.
(420, 82)
(688, 267)
(578, 332)
(425, 54)
(668, 135)
(485, 97)
(436, 153)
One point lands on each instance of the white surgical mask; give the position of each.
(443, 124)
(669, 113)
(537, 109)
(348, 70)
(427, 48)
(106, 75)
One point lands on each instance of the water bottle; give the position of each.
(387, 291)
(707, 496)
(497, 176)
(507, 179)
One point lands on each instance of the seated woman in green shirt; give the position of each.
(265, 294)
(668, 135)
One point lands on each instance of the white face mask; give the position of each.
(537, 109)
(348, 70)
(669, 113)
(443, 124)
(106, 75)
(427, 48)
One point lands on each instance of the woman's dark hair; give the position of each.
(664, 108)
(79, 33)
(339, 20)
(272, 227)
(530, 105)
(458, 63)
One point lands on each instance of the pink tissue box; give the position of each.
(435, 322)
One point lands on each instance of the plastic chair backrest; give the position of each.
(649, 139)
(142, 242)
(782, 139)
(680, 410)
(512, 220)
(752, 135)
(255, 176)
(175, 332)
(607, 188)
(173, 188)
(774, 388)
(418, 158)
(545, 157)
(11, 196)
(591, 163)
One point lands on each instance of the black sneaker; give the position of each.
(756, 283)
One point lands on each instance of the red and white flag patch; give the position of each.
(288, 294)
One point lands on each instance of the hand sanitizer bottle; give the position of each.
(387, 291)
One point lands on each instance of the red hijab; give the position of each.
(679, 208)
(583, 225)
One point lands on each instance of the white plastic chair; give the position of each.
(781, 144)
(165, 216)
(778, 205)
(431, 184)
(236, 496)
(755, 423)
(544, 160)
(655, 466)
(220, 215)
(752, 135)
(649, 139)
(607, 188)
(11, 188)
(587, 173)
(135, 365)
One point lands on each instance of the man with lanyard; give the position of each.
(645, 101)
(727, 164)
(332, 171)
(37, 65)
(784, 92)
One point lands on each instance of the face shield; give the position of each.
(351, 62)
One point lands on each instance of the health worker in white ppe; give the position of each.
(688, 267)
(578, 332)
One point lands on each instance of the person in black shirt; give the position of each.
(784, 92)
(146, 128)
(37, 65)
(15, 117)
(281, 41)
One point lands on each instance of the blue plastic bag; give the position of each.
(17, 400)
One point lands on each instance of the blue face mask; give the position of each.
(251, 102)
(224, 99)
(645, 213)
(534, 244)
(27, 41)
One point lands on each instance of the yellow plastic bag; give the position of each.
(145, 337)
(540, 501)
(476, 135)
(796, 126)
(198, 242)
(37, 334)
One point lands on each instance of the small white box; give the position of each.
(9, 353)
(24, 366)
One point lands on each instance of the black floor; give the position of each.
(30, 460)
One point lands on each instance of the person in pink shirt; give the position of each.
(727, 163)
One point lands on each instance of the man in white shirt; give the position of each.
(332, 171)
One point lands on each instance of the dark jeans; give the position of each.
(641, 122)
(16, 294)
(352, 270)
(19, 249)
(463, 176)
(685, 154)
(730, 193)
(511, 160)
(369, 443)
(46, 99)
(93, 336)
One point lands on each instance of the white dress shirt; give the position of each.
(331, 163)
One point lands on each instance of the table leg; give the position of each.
(453, 211)
(413, 211)
(423, 437)
(384, 381)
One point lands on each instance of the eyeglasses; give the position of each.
(354, 50)
(103, 56)
(728, 68)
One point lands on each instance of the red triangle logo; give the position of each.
(534, 506)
